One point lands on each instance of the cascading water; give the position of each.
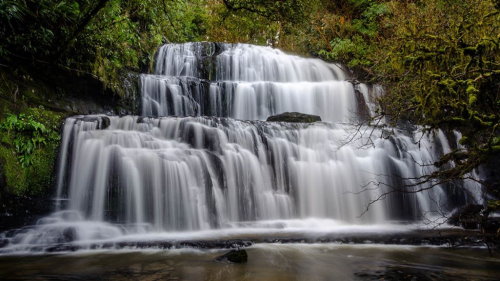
(218, 165)
(244, 82)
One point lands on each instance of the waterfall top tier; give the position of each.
(241, 62)
(246, 82)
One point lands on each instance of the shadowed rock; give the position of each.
(235, 256)
(468, 216)
(294, 117)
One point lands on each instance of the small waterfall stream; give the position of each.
(201, 156)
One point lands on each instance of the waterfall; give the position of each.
(202, 172)
(245, 82)
(200, 156)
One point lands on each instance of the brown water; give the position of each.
(265, 262)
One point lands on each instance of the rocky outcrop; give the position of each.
(468, 217)
(102, 121)
(17, 211)
(294, 117)
(87, 95)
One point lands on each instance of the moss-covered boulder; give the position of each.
(294, 117)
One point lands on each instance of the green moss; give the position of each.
(33, 180)
(464, 141)
(39, 176)
(34, 177)
(494, 205)
(15, 174)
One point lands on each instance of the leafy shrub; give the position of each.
(28, 150)
(26, 135)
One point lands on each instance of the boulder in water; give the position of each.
(4, 242)
(103, 121)
(234, 256)
(468, 217)
(68, 235)
(294, 117)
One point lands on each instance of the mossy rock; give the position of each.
(13, 172)
(294, 117)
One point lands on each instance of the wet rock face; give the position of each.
(204, 53)
(69, 235)
(102, 121)
(469, 217)
(294, 117)
(17, 211)
(66, 92)
(234, 256)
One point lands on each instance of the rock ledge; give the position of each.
(294, 117)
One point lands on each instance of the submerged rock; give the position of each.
(235, 256)
(468, 217)
(294, 117)
(68, 235)
(492, 225)
(4, 242)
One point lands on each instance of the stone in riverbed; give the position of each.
(4, 243)
(294, 117)
(68, 235)
(468, 216)
(234, 256)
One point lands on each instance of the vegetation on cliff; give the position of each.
(439, 63)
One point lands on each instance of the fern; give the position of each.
(27, 135)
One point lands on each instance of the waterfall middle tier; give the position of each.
(199, 173)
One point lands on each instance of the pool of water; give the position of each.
(275, 262)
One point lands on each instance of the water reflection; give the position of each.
(265, 262)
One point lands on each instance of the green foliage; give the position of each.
(100, 38)
(293, 11)
(494, 205)
(104, 37)
(27, 135)
(240, 26)
(353, 51)
(28, 148)
(127, 33)
(263, 22)
(367, 24)
(440, 63)
(438, 60)
(353, 34)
